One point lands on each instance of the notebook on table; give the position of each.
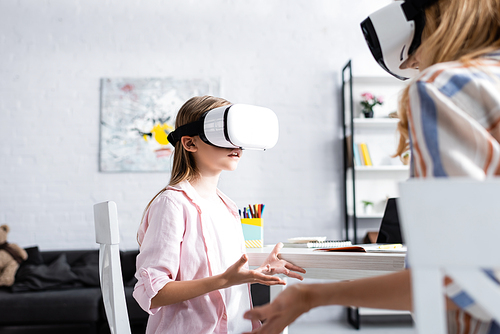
(315, 242)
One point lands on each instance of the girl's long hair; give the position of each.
(184, 166)
(455, 30)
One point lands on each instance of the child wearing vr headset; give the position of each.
(192, 269)
(451, 113)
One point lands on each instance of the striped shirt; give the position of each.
(454, 125)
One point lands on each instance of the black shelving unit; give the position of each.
(351, 214)
(348, 131)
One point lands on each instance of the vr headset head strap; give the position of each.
(190, 129)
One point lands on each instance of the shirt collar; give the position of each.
(195, 198)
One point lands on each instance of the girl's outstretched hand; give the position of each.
(287, 307)
(274, 265)
(238, 274)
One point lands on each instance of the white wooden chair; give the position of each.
(451, 227)
(110, 272)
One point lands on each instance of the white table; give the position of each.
(331, 265)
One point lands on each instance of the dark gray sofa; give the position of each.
(58, 292)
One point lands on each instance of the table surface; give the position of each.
(333, 265)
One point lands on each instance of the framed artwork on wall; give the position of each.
(137, 114)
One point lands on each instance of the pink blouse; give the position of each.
(179, 242)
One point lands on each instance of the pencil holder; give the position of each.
(253, 231)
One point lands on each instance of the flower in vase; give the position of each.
(368, 101)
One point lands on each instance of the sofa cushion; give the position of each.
(55, 306)
(34, 256)
(86, 268)
(127, 261)
(43, 277)
(71, 255)
(82, 269)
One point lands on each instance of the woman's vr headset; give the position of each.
(394, 33)
(233, 126)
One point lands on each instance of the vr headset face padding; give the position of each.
(235, 126)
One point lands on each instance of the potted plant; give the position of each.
(405, 158)
(367, 207)
(368, 101)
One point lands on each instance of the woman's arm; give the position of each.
(388, 291)
(179, 291)
(392, 291)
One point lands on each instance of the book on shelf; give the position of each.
(368, 248)
(357, 159)
(363, 148)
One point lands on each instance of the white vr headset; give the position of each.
(394, 33)
(233, 126)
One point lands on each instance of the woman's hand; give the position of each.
(288, 306)
(274, 265)
(238, 274)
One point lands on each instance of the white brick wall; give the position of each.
(285, 55)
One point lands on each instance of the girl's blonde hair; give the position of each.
(455, 30)
(184, 166)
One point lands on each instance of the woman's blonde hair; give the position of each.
(455, 30)
(184, 166)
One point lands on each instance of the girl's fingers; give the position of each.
(293, 267)
(241, 262)
(280, 282)
(267, 280)
(281, 270)
(295, 275)
(287, 272)
(266, 277)
(276, 249)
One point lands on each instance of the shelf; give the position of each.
(376, 215)
(370, 216)
(373, 311)
(375, 122)
(392, 168)
(377, 80)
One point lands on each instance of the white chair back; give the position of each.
(110, 272)
(451, 227)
